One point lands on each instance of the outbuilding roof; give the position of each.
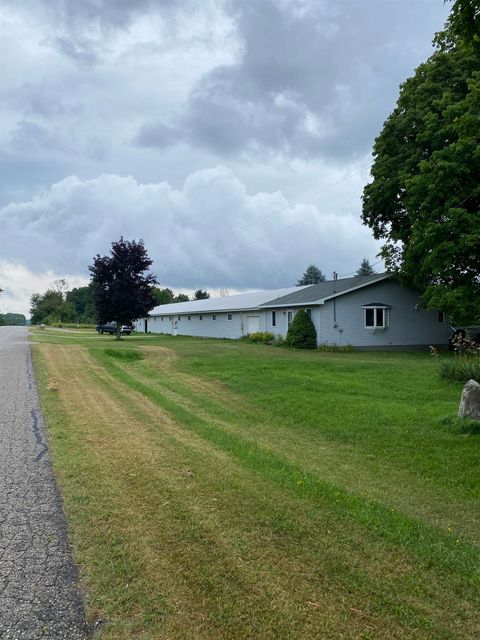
(318, 293)
(227, 303)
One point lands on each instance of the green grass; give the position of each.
(243, 491)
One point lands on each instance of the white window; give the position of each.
(274, 319)
(200, 317)
(229, 316)
(214, 317)
(309, 313)
(179, 318)
(189, 317)
(375, 317)
(161, 318)
(289, 318)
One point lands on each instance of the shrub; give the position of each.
(336, 348)
(460, 369)
(301, 333)
(261, 336)
(465, 365)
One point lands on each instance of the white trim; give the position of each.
(374, 328)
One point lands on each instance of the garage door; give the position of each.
(253, 324)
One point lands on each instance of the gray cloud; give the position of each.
(314, 77)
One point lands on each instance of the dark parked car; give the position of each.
(111, 328)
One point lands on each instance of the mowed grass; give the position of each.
(217, 489)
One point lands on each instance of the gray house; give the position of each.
(367, 311)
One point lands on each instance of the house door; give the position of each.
(253, 324)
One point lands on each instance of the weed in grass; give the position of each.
(130, 355)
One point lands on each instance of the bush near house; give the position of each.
(301, 333)
(261, 336)
(465, 365)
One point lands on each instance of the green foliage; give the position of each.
(312, 275)
(459, 369)
(50, 308)
(81, 301)
(261, 336)
(129, 355)
(301, 333)
(424, 199)
(336, 348)
(181, 297)
(13, 319)
(121, 290)
(162, 296)
(200, 294)
(465, 364)
(365, 268)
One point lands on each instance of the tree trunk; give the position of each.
(119, 326)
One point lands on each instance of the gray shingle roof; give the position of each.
(237, 302)
(324, 290)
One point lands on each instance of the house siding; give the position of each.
(205, 328)
(408, 326)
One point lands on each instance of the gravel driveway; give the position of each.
(39, 594)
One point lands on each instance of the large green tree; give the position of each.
(50, 307)
(123, 291)
(424, 197)
(80, 300)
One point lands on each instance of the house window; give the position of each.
(375, 316)
(274, 319)
(441, 317)
(170, 318)
(214, 317)
(229, 316)
(161, 318)
(189, 317)
(179, 318)
(289, 318)
(200, 317)
(309, 313)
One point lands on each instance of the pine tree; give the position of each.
(312, 275)
(365, 268)
(301, 333)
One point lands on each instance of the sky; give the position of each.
(233, 136)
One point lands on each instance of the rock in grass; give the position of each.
(470, 401)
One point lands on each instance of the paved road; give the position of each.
(39, 597)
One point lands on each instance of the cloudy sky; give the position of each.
(233, 136)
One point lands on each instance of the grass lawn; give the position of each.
(218, 489)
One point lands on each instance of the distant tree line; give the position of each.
(59, 305)
(12, 319)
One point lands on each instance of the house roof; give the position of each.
(319, 293)
(227, 303)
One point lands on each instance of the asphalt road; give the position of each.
(39, 593)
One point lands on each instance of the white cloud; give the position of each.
(19, 283)
(211, 233)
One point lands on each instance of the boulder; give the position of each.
(470, 401)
